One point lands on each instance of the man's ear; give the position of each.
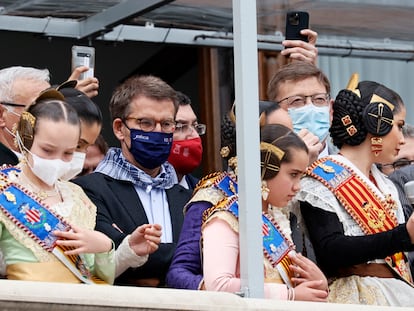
(118, 128)
(3, 112)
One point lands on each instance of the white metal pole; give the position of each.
(247, 128)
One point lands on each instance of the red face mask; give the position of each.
(186, 155)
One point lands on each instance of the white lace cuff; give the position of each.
(126, 258)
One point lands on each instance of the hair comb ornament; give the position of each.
(273, 149)
(262, 119)
(29, 118)
(232, 113)
(25, 128)
(270, 149)
(50, 93)
(353, 84)
(376, 98)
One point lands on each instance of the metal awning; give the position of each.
(369, 28)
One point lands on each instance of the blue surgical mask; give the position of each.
(313, 118)
(150, 149)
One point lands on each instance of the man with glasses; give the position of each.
(135, 185)
(187, 148)
(303, 90)
(19, 86)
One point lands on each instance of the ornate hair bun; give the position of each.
(347, 126)
(378, 116)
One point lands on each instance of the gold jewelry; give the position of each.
(225, 151)
(378, 99)
(265, 190)
(42, 194)
(232, 162)
(25, 129)
(270, 149)
(273, 149)
(376, 145)
(379, 116)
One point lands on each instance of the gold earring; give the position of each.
(265, 190)
(376, 145)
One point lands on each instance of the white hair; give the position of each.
(11, 74)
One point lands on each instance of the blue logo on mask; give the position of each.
(150, 149)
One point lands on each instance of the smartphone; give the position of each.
(83, 56)
(295, 22)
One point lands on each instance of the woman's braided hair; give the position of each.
(228, 128)
(368, 108)
(347, 105)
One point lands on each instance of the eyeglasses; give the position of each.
(10, 108)
(148, 125)
(186, 128)
(13, 105)
(297, 101)
(400, 163)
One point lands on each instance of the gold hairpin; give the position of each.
(273, 149)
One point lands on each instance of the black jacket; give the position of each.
(7, 156)
(118, 203)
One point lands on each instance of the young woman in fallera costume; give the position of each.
(351, 210)
(289, 276)
(46, 225)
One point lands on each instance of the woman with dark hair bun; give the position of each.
(352, 212)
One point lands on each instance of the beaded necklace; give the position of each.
(42, 194)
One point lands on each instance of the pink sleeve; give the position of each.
(220, 256)
(221, 261)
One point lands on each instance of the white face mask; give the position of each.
(49, 171)
(76, 165)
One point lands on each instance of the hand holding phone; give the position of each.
(295, 22)
(83, 56)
